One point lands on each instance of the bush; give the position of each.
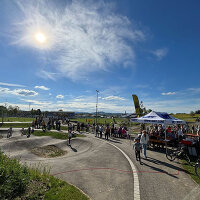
(22, 183)
(13, 178)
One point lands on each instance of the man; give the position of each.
(144, 141)
(107, 132)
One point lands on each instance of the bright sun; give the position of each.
(40, 37)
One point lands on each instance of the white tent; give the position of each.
(158, 118)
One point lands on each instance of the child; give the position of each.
(69, 137)
(138, 147)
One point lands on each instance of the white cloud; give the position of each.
(23, 92)
(60, 96)
(113, 98)
(42, 87)
(37, 102)
(11, 84)
(168, 93)
(160, 53)
(19, 92)
(83, 37)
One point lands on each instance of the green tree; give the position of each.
(192, 113)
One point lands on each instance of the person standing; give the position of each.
(97, 130)
(138, 148)
(69, 137)
(107, 132)
(101, 131)
(144, 141)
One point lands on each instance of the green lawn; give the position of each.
(187, 117)
(19, 182)
(18, 119)
(104, 121)
(16, 125)
(57, 135)
(191, 170)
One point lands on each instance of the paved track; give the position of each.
(103, 172)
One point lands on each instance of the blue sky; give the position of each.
(56, 55)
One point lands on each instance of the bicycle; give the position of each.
(9, 133)
(197, 167)
(180, 153)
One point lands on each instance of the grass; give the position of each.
(190, 169)
(20, 182)
(187, 117)
(102, 121)
(65, 128)
(56, 135)
(16, 125)
(18, 119)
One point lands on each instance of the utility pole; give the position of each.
(97, 105)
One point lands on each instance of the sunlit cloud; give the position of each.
(18, 92)
(83, 37)
(168, 93)
(42, 87)
(60, 96)
(36, 102)
(113, 98)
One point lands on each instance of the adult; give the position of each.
(144, 141)
(101, 131)
(120, 132)
(107, 133)
(97, 130)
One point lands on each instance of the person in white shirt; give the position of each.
(144, 141)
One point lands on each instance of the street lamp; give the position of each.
(97, 105)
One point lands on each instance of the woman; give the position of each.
(144, 141)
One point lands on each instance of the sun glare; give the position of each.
(40, 37)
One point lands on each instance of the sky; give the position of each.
(56, 54)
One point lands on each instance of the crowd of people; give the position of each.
(173, 132)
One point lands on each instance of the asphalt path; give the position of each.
(103, 172)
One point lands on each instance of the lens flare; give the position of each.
(40, 37)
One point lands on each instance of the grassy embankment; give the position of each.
(56, 135)
(19, 182)
(190, 169)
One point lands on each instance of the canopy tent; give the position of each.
(158, 118)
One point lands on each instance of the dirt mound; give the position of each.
(48, 151)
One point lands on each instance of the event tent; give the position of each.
(158, 118)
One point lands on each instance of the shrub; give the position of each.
(13, 178)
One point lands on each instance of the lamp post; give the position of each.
(97, 105)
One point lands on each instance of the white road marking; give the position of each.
(136, 187)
